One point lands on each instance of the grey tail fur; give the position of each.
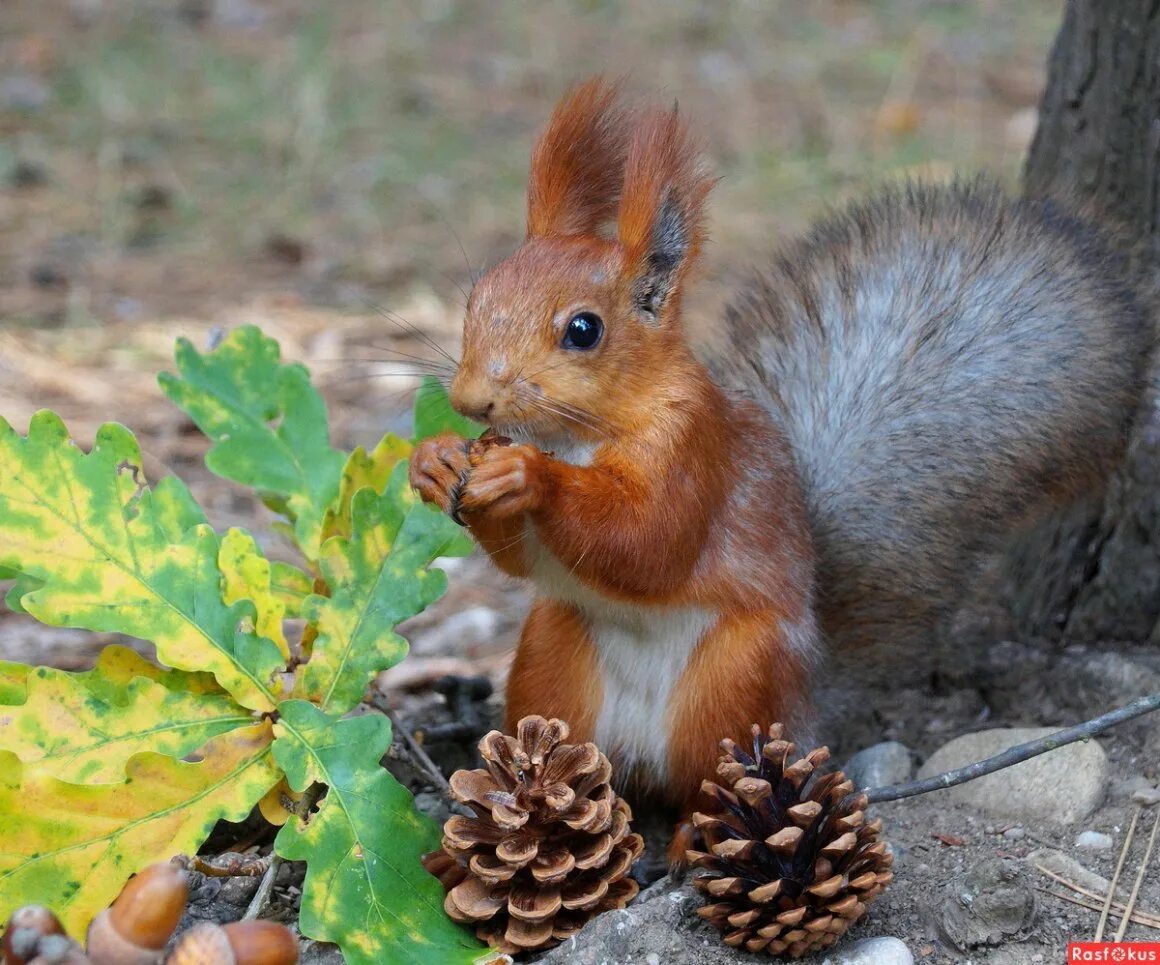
(948, 364)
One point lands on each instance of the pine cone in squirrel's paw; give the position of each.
(549, 846)
(791, 862)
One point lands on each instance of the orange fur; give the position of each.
(649, 489)
(664, 167)
(554, 673)
(576, 171)
(735, 658)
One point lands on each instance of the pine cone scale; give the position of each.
(549, 845)
(789, 859)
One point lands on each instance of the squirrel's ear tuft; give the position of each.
(661, 215)
(578, 163)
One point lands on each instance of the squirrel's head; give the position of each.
(571, 333)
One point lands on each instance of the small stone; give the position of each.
(653, 958)
(1146, 796)
(880, 765)
(460, 631)
(993, 903)
(1067, 867)
(1094, 841)
(871, 951)
(27, 174)
(1015, 834)
(1062, 786)
(1128, 786)
(24, 93)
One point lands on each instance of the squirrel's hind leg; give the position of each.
(555, 672)
(751, 668)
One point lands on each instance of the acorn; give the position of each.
(25, 929)
(253, 942)
(134, 930)
(59, 950)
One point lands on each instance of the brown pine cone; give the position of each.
(791, 861)
(549, 846)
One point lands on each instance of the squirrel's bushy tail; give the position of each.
(947, 365)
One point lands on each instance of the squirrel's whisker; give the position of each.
(401, 323)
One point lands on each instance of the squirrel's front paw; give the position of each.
(439, 468)
(506, 481)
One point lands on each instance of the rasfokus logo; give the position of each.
(1117, 953)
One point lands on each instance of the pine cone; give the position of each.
(792, 863)
(549, 847)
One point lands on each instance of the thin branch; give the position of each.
(1016, 754)
(265, 887)
(1136, 918)
(1116, 876)
(1139, 880)
(416, 749)
(1117, 908)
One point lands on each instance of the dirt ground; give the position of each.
(172, 167)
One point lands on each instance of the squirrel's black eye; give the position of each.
(583, 331)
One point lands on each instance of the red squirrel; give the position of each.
(896, 393)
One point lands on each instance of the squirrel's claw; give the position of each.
(438, 468)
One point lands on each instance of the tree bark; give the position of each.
(1096, 573)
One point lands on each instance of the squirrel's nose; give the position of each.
(472, 401)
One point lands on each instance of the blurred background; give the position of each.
(172, 166)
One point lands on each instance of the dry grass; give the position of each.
(196, 152)
(171, 165)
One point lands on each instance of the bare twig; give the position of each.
(1016, 754)
(1146, 920)
(1139, 880)
(416, 749)
(1116, 876)
(265, 887)
(231, 864)
(1144, 917)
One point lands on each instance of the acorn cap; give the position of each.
(23, 932)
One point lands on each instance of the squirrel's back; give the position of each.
(947, 364)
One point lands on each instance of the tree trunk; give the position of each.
(1096, 573)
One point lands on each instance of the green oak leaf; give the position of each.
(84, 727)
(289, 586)
(363, 470)
(377, 578)
(433, 413)
(267, 422)
(71, 846)
(110, 555)
(365, 888)
(247, 575)
(13, 689)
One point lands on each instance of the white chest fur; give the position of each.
(642, 653)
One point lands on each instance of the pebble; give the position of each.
(1062, 786)
(24, 93)
(993, 903)
(477, 624)
(881, 764)
(1146, 796)
(1067, 867)
(1094, 841)
(871, 951)
(1015, 834)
